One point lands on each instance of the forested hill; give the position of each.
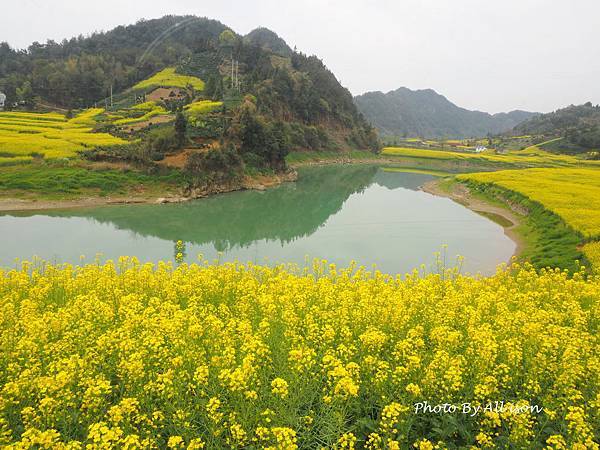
(288, 86)
(425, 113)
(579, 125)
(267, 39)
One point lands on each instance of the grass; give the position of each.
(59, 181)
(52, 135)
(169, 78)
(129, 355)
(546, 240)
(563, 210)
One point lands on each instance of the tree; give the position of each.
(180, 128)
(227, 39)
(25, 95)
(214, 87)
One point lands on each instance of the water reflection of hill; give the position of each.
(396, 180)
(285, 213)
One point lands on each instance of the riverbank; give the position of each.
(257, 182)
(508, 218)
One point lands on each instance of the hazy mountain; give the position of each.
(426, 113)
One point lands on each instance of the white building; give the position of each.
(2, 100)
(480, 148)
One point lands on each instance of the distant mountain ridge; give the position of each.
(425, 113)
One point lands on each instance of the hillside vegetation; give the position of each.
(578, 126)
(180, 93)
(234, 356)
(425, 113)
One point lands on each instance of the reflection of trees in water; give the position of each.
(285, 213)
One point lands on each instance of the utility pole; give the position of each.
(111, 95)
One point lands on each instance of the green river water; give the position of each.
(338, 213)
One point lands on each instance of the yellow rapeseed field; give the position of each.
(51, 135)
(201, 107)
(150, 109)
(592, 253)
(168, 78)
(533, 157)
(231, 356)
(573, 194)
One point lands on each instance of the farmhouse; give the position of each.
(480, 149)
(2, 100)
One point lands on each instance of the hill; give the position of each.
(577, 128)
(288, 86)
(178, 93)
(267, 39)
(425, 113)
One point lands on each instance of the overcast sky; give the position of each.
(493, 56)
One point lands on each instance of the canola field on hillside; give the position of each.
(25, 135)
(572, 194)
(168, 78)
(200, 107)
(149, 110)
(232, 356)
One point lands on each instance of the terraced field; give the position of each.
(198, 108)
(24, 136)
(149, 109)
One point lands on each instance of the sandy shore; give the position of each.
(461, 194)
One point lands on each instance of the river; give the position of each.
(340, 213)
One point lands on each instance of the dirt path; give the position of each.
(505, 217)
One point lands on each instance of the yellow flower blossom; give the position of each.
(131, 355)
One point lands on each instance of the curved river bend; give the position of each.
(360, 213)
